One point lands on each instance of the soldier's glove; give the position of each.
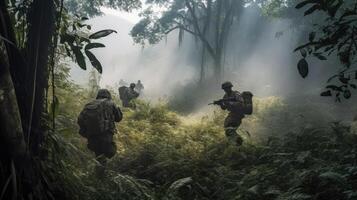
(223, 106)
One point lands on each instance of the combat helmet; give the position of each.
(132, 85)
(227, 84)
(104, 93)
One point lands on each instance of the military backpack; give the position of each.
(123, 92)
(248, 102)
(93, 120)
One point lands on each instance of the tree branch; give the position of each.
(199, 33)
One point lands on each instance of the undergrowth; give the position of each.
(162, 155)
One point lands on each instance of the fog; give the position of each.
(160, 67)
(255, 60)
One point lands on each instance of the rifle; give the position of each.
(221, 101)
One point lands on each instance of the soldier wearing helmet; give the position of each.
(235, 116)
(128, 95)
(97, 123)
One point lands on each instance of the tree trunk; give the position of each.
(11, 138)
(218, 67)
(202, 69)
(42, 23)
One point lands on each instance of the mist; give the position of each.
(160, 67)
(257, 59)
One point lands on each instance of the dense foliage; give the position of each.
(336, 36)
(290, 151)
(164, 155)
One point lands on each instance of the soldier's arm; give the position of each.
(118, 115)
(223, 106)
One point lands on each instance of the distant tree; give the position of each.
(209, 21)
(90, 8)
(336, 37)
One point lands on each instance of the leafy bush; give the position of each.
(162, 155)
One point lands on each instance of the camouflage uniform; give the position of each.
(130, 94)
(102, 144)
(235, 116)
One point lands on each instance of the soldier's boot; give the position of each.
(233, 137)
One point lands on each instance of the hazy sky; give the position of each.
(164, 64)
(263, 64)
(132, 17)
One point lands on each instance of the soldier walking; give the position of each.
(97, 124)
(127, 95)
(238, 105)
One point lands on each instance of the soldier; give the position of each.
(128, 94)
(97, 124)
(233, 102)
(139, 87)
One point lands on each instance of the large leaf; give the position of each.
(319, 56)
(326, 93)
(79, 57)
(102, 33)
(67, 38)
(94, 61)
(303, 68)
(304, 3)
(312, 9)
(6, 40)
(94, 45)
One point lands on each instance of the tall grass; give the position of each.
(164, 155)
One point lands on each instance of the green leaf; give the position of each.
(304, 3)
(326, 93)
(94, 45)
(79, 57)
(319, 56)
(331, 78)
(67, 38)
(303, 68)
(312, 9)
(102, 33)
(94, 61)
